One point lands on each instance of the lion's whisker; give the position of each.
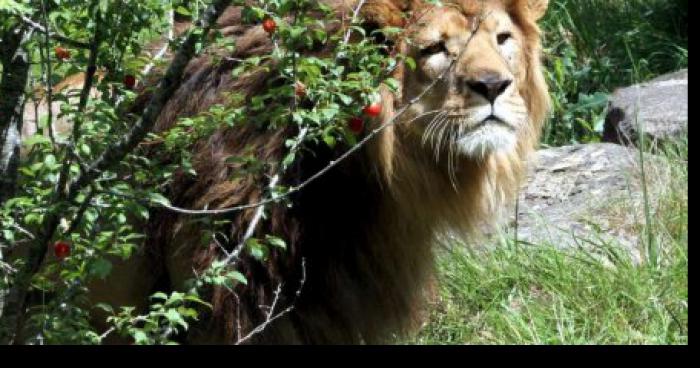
(440, 135)
(423, 115)
(452, 160)
(433, 123)
(432, 134)
(427, 128)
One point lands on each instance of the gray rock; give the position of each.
(564, 200)
(679, 75)
(657, 108)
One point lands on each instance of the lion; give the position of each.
(360, 239)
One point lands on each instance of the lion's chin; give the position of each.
(485, 140)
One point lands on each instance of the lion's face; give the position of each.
(478, 56)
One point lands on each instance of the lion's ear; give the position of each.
(537, 8)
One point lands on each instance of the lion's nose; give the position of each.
(490, 86)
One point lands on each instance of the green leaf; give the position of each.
(159, 296)
(35, 139)
(410, 63)
(182, 10)
(288, 160)
(174, 317)
(158, 198)
(101, 268)
(104, 6)
(8, 235)
(238, 277)
(13, 6)
(345, 99)
(276, 241)
(140, 337)
(105, 307)
(84, 149)
(256, 249)
(329, 140)
(392, 83)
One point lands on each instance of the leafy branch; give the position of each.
(324, 170)
(16, 301)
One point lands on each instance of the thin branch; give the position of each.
(82, 104)
(164, 49)
(251, 226)
(112, 329)
(7, 269)
(355, 15)
(259, 212)
(54, 35)
(107, 333)
(517, 213)
(47, 76)
(23, 231)
(270, 318)
(90, 72)
(348, 32)
(81, 211)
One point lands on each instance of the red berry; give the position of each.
(269, 25)
(129, 81)
(61, 53)
(356, 125)
(373, 110)
(61, 249)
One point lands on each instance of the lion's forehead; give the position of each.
(455, 26)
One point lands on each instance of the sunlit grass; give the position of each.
(595, 294)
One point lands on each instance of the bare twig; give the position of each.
(271, 317)
(54, 35)
(517, 211)
(47, 75)
(112, 329)
(107, 333)
(7, 269)
(251, 227)
(81, 211)
(164, 49)
(82, 104)
(23, 231)
(259, 212)
(89, 75)
(355, 15)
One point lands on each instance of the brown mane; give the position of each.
(364, 229)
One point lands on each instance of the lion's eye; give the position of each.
(503, 37)
(434, 49)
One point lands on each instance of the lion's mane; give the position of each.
(364, 229)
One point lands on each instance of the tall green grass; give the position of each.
(517, 293)
(595, 46)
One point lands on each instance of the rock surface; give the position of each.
(659, 107)
(563, 202)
